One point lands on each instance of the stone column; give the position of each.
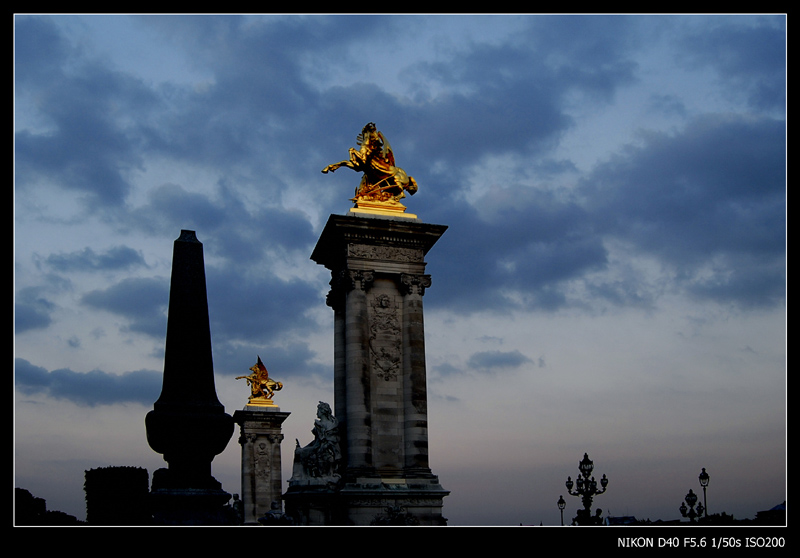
(336, 300)
(377, 283)
(260, 438)
(357, 379)
(415, 374)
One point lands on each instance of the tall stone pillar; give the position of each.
(260, 438)
(380, 383)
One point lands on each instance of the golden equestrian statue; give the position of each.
(383, 184)
(262, 387)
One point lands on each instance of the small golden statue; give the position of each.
(383, 184)
(262, 387)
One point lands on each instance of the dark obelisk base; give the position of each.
(191, 507)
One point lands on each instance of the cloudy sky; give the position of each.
(613, 279)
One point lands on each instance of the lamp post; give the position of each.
(587, 490)
(690, 512)
(561, 505)
(704, 478)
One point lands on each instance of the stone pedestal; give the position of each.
(377, 285)
(260, 437)
(182, 507)
(314, 504)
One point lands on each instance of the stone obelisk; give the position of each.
(188, 424)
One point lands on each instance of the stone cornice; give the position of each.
(341, 232)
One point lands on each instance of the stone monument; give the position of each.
(375, 255)
(260, 437)
(188, 424)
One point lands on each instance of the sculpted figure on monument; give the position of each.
(319, 459)
(383, 183)
(262, 387)
(275, 516)
(395, 515)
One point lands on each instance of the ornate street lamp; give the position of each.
(704, 478)
(690, 512)
(587, 490)
(561, 505)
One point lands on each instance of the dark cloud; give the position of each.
(90, 388)
(39, 50)
(240, 307)
(512, 98)
(88, 144)
(667, 105)
(266, 117)
(114, 259)
(520, 253)
(494, 360)
(757, 282)
(591, 56)
(234, 230)
(749, 59)
(142, 301)
(286, 362)
(258, 306)
(677, 197)
(631, 290)
(499, 109)
(247, 302)
(265, 109)
(588, 41)
(31, 310)
(707, 200)
(171, 208)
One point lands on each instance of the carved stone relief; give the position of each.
(263, 460)
(415, 284)
(384, 253)
(385, 339)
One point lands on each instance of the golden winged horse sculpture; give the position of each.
(383, 184)
(262, 387)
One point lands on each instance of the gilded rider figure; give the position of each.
(383, 183)
(262, 387)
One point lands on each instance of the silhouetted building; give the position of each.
(772, 516)
(32, 511)
(622, 520)
(117, 496)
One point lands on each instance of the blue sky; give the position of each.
(612, 281)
